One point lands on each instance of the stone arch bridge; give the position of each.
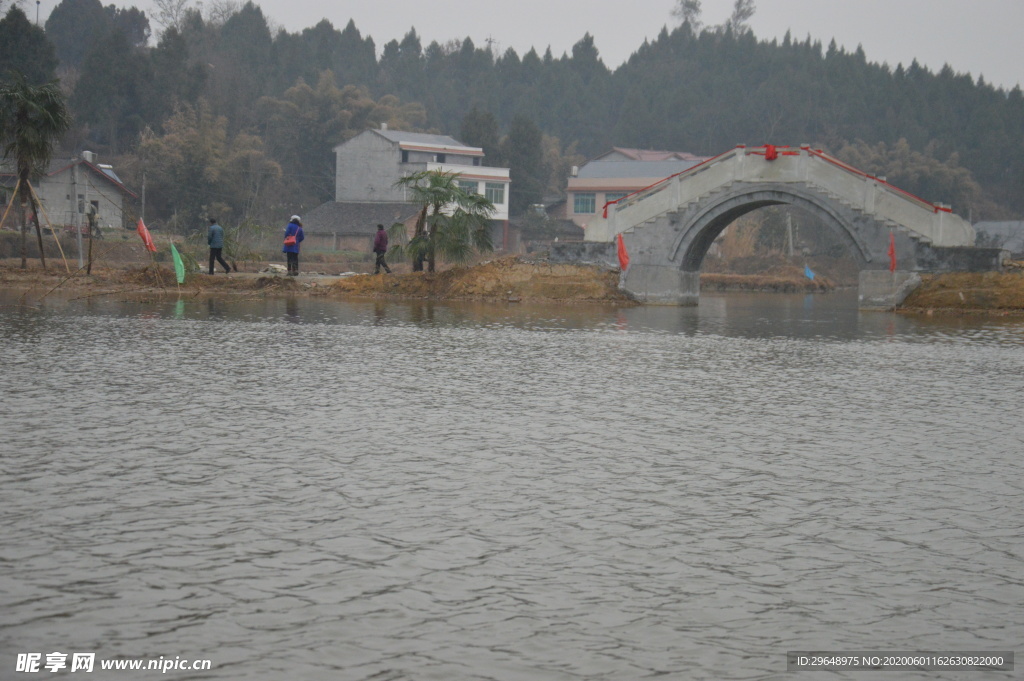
(668, 227)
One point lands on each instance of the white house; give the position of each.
(369, 165)
(72, 185)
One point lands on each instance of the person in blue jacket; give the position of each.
(215, 240)
(293, 236)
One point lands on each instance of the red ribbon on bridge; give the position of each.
(623, 255)
(892, 252)
(770, 152)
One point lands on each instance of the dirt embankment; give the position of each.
(775, 282)
(34, 283)
(965, 292)
(505, 279)
(776, 273)
(509, 279)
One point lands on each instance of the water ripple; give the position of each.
(341, 492)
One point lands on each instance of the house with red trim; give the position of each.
(616, 174)
(369, 165)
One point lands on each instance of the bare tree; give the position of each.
(688, 12)
(221, 10)
(170, 13)
(741, 13)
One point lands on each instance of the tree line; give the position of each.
(223, 114)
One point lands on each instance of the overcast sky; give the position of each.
(974, 36)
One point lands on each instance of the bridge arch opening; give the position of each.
(696, 238)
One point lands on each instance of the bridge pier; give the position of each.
(661, 284)
(884, 290)
(669, 285)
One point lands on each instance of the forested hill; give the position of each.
(261, 111)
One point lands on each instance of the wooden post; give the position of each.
(39, 230)
(56, 237)
(92, 228)
(14, 197)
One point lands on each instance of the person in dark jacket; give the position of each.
(293, 236)
(215, 239)
(380, 247)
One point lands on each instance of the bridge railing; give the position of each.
(664, 196)
(869, 194)
(887, 202)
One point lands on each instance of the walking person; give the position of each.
(293, 236)
(215, 239)
(380, 247)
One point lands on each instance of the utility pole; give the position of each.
(789, 232)
(87, 207)
(78, 214)
(37, 12)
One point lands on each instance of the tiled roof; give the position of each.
(352, 218)
(398, 136)
(611, 169)
(653, 155)
(105, 172)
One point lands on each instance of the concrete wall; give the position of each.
(884, 290)
(368, 166)
(956, 259)
(336, 242)
(59, 195)
(585, 252)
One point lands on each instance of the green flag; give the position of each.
(179, 266)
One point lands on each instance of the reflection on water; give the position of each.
(832, 317)
(311, 489)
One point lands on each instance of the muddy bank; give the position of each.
(510, 279)
(35, 284)
(506, 279)
(968, 292)
(793, 282)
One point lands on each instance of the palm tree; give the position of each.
(452, 221)
(32, 119)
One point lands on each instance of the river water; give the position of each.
(314, 489)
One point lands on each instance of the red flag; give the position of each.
(892, 252)
(147, 240)
(623, 255)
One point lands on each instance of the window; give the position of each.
(495, 192)
(476, 161)
(405, 155)
(441, 158)
(613, 196)
(583, 202)
(469, 186)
